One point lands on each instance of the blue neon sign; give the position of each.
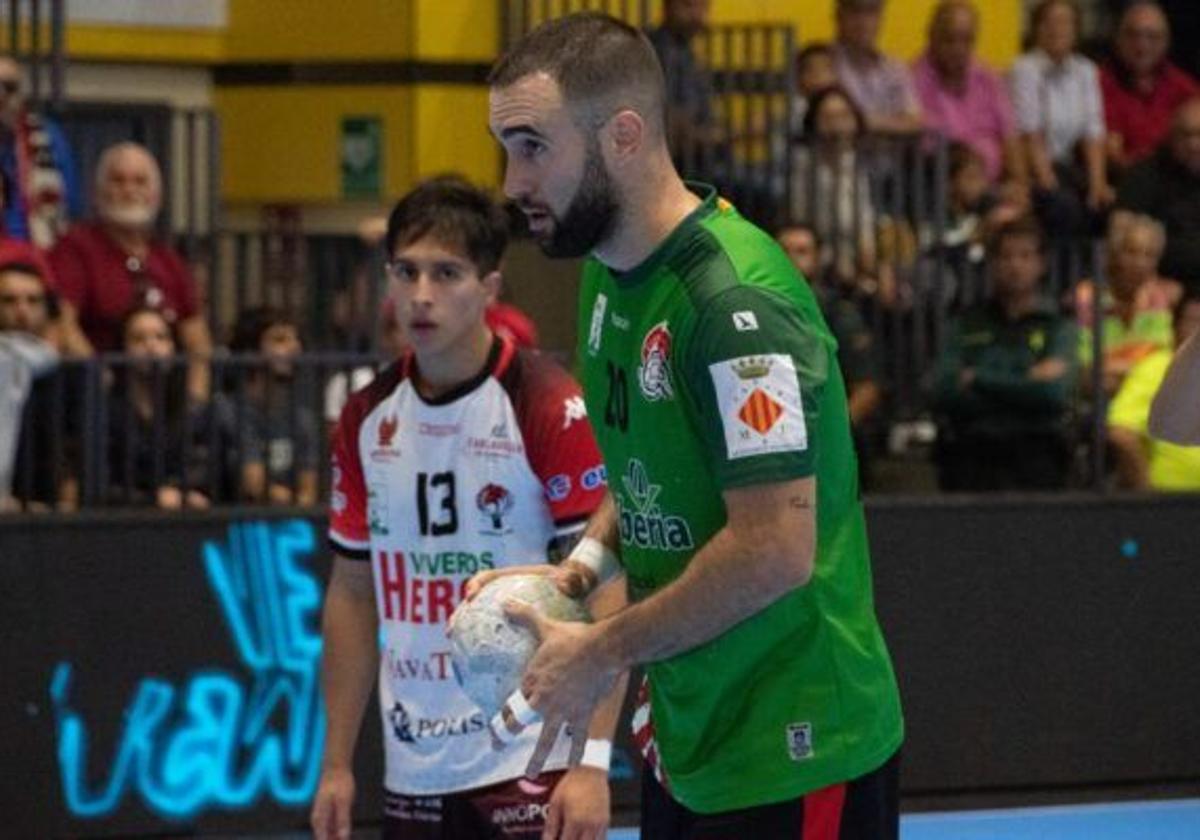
(216, 743)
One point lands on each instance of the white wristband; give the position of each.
(597, 754)
(522, 714)
(598, 557)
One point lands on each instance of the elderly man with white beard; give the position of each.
(107, 267)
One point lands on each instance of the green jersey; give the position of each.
(705, 368)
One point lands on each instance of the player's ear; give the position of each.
(492, 282)
(627, 133)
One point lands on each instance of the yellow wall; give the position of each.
(326, 30)
(450, 122)
(281, 142)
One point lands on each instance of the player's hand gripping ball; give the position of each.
(488, 651)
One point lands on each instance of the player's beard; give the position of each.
(591, 216)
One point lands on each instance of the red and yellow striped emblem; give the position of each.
(760, 412)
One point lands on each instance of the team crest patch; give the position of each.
(758, 398)
(799, 741)
(494, 502)
(654, 373)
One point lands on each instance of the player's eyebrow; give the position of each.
(522, 128)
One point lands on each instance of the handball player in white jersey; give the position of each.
(465, 455)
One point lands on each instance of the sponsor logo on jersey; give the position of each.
(385, 436)
(436, 667)
(377, 509)
(411, 597)
(597, 476)
(450, 562)
(558, 487)
(597, 327)
(745, 321)
(496, 446)
(523, 814)
(410, 730)
(337, 499)
(620, 322)
(387, 431)
(758, 398)
(642, 522)
(654, 373)
(438, 429)
(574, 408)
(799, 741)
(494, 502)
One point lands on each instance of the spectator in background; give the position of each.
(152, 431)
(814, 73)
(1137, 306)
(41, 190)
(962, 99)
(1005, 379)
(1141, 87)
(392, 342)
(1166, 185)
(857, 353)
(879, 85)
(831, 187)
(1056, 99)
(692, 131)
(42, 475)
(273, 435)
(976, 209)
(65, 336)
(24, 356)
(1142, 460)
(107, 268)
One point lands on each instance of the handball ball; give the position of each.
(488, 650)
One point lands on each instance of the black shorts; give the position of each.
(515, 808)
(866, 808)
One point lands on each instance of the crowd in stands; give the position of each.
(1064, 148)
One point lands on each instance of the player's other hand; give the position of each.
(573, 579)
(564, 681)
(579, 807)
(331, 806)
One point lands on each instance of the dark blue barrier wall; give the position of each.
(160, 674)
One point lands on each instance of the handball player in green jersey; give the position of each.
(733, 507)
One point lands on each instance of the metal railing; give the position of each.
(119, 431)
(520, 16)
(35, 35)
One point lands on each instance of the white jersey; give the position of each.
(431, 492)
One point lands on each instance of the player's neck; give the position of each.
(440, 373)
(647, 218)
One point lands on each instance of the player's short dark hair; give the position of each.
(457, 214)
(1026, 227)
(252, 324)
(598, 61)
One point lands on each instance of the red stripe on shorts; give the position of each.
(823, 813)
